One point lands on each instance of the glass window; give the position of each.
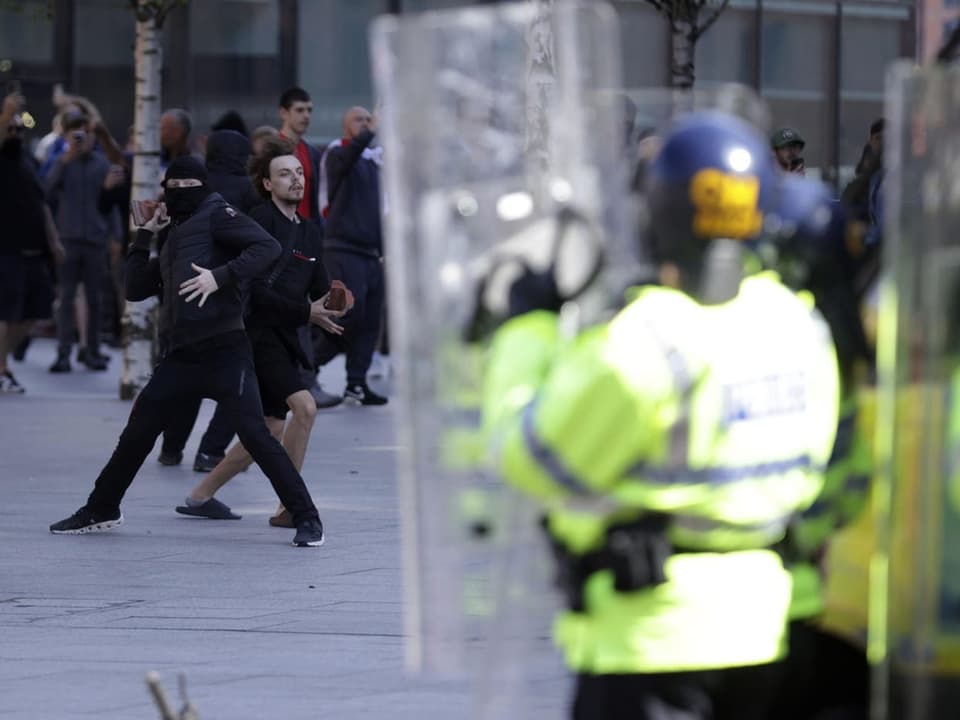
(870, 44)
(104, 33)
(334, 59)
(644, 38)
(725, 53)
(795, 77)
(415, 6)
(234, 27)
(26, 32)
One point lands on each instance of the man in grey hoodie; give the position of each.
(73, 189)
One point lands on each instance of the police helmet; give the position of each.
(714, 178)
(805, 233)
(805, 241)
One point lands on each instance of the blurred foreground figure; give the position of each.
(671, 446)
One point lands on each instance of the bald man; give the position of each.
(175, 128)
(353, 248)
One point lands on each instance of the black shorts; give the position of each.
(278, 375)
(26, 292)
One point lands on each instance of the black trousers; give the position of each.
(85, 263)
(215, 439)
(824, 677)
(363, 275)
(743, 693)
(225, 374)
(221, 429)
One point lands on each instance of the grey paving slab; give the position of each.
(261, 629)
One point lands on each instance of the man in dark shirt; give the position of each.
(27, 243)
(207, 249)
(292, 295)
(353, 247)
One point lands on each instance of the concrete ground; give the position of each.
(261, 629)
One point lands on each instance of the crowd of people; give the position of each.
(267, 256)
(734, 404)
(70, 267)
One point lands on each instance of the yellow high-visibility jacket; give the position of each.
(721, 416)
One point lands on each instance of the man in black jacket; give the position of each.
(228, 153)
(207, 250)
(292, 295)
(353, 248)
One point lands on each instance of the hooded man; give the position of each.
(207, 249)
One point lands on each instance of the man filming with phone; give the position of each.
(788, 147)
(74, 187)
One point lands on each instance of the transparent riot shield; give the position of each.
(501, 131)
(915, 574)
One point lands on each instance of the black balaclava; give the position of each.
(183, 202)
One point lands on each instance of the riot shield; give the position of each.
(500, 126)
(915, 573)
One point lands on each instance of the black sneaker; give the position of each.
(9, 384)
(206, 463)
(87, 521)
(62, 365)
(20, 351)
(309, 534)
(363, 395)
(170, 458)
(93, 361)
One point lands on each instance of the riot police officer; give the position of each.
(671, 445)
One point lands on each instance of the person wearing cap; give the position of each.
(207, 250)
(788, 146)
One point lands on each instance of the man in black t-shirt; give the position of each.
(292, 294)
(28, 241)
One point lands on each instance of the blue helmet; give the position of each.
(807, 235)
(806, 231)
(713, 178)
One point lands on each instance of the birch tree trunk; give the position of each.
(541, 78)
(139, 318)
(683, 59)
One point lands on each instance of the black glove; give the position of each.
(534, 291)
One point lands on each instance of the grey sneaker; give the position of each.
(309, 534)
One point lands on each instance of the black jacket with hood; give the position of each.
(217, 237)
(227, 154)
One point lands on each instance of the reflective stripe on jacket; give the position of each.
(722, 417)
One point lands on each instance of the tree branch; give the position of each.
(658, 5)
(699, 30)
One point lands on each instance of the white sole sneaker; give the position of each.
(98, 527)
(315, 543)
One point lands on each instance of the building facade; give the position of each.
(819, 64)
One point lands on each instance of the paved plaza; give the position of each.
(261, 629)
